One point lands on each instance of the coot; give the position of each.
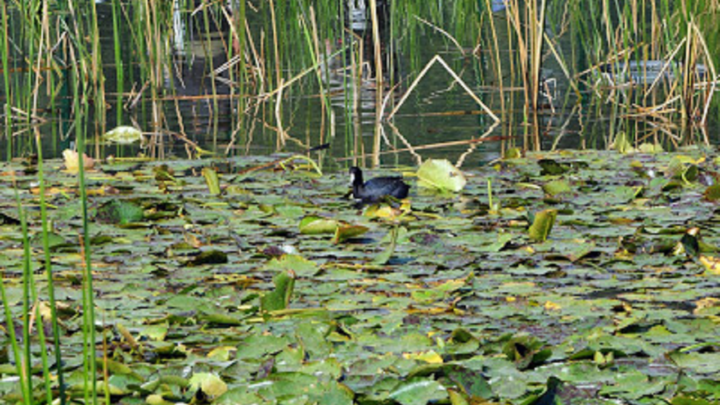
(378, 188)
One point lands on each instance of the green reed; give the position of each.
(4, 55)
(119, 65)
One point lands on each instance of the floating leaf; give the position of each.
(212, 180)
(315, 225)
(280, 297)
(419, 392)
(622, 144)
(513, 153)
(347, 231)
(123, 135)
(209, 257)
(120, 212)
(551, 167)
(295, 263)
(441, 175)
(72, 161)
(385, 211)
(650, 148)
(385, 256)
(556, 187)
(712, 193)
(210, 384)
(542, 225)
(526, 351)
(712, 264)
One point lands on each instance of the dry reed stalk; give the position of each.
(496, 56)
(483, 139)
(285, 84)
(512, 12)
(378, 56)
(474, 145)
(438, 59)
(278, 71)
(408, 145)
(440, 30)
(259, 66)
(562, 65)
(537, 40)
(713, 73)
(278, 116)
(325, 107)
(665, 66)
(563, 128)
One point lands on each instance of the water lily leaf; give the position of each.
(542, 225)
(622, 144)
(385, 256)
(419, 392)
(650, 148)
(55, 241)
(634, 385)
(347, 231)
(712, 193)
(685, 399)
(295, 263)
(209, 257)
(711, 264)
(280, 297)
(123, 135)
(556, 187)
(155, 332)
(441, 175)
(209, 383)
(255, 347)
(156, 399)
(313, 338)
(72, 161)
(696, 362)
(120, 212)
(288, 385)
(212, 180)
(513, 153)
(552, 167)
(526, 351)
(114, 367)
(315, 225)
(222, 353)
(385, 211)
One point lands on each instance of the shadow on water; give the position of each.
(200, 96)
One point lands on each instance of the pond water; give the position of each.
(439, 119)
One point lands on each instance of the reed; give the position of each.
(119, 65)
(4, 55)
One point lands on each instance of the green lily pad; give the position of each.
(314, 225)
(123, 135)
(441, 175)
(542, 225)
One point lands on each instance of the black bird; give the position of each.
(378, 188)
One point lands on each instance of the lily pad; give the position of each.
(123, 135)
(542, 225)
(441, 175)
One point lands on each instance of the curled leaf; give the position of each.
(72, 161)
(542, 225)
(441, 175)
